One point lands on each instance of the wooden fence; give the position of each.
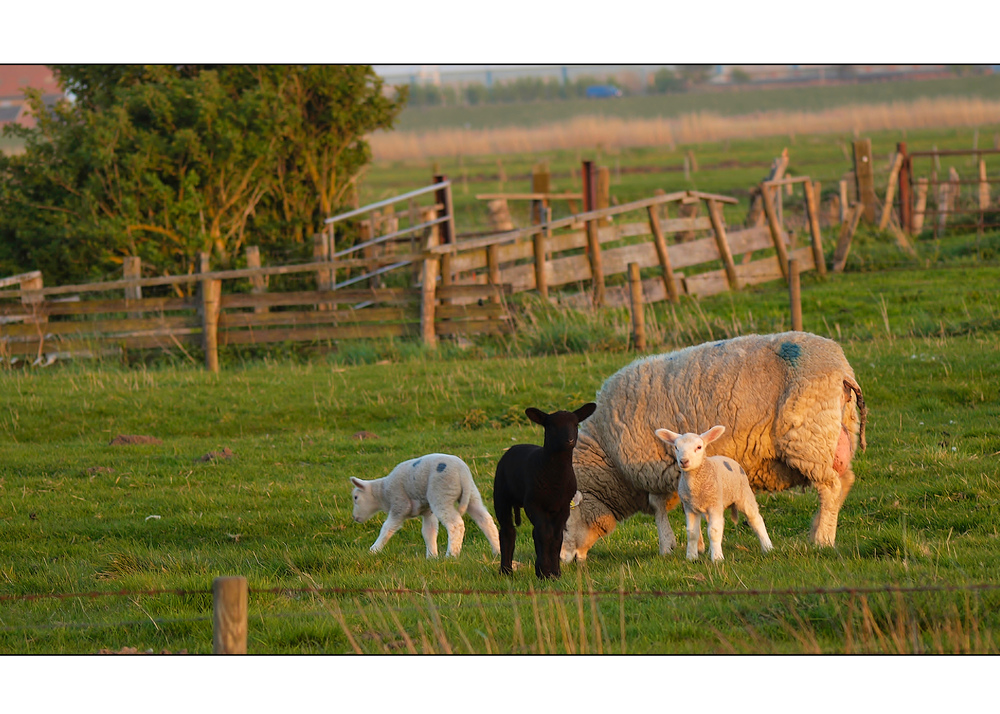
(450, 287)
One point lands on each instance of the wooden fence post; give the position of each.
(428, 282)
(132, 270)
(603, 188)
(847, 230)
(229, 615)
(843, 201)
(638, 316)
(812, 211)
(920, 209)
(715, 216)
(446, 232)
(324, 277)
(661, 252)
(865, 177)
(493, 269)
(596, 263)
(777, 234)
(540, 183)
(258, 283)
(794, 294)
(984, 186)
(890, 191)
(211, 295)
(539, 241)
(905, 189)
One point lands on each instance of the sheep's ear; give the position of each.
(536, 415)
(585, 411)
(358, 482)
(712, 434)
(667, 436)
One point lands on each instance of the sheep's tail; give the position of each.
(851, 386)
(466, 496)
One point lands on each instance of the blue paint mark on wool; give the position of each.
(442, 466)
(726, 464)
(790, 352)
(415, 463)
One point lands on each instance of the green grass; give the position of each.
(74, 511)
(731, 103)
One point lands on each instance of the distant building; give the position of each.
(14, 78)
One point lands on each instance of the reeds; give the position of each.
(615, 133)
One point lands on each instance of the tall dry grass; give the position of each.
(611, 132)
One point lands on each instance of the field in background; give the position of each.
(724, 103)
(81, 516)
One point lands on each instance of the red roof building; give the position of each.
(14, 78)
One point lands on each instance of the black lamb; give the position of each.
(541, 480)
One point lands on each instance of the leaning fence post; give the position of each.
(812, 208)
(715, 215)
(661, 252)
(920, 209)
(777, 235)
(638, 316)
(794, 294)
(229, 615)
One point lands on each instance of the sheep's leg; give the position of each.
(429, 529)
(456, 531)
(752, 512)
(695, 544)
(542, 534)
(661, 504)
(393, 523)
(508, 532)
(477, 511)
(716, 522)
(824, 526)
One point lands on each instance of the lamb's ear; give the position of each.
(712, 434)
(358, 482)
(667, 436)
(585, 411)
(536, 415)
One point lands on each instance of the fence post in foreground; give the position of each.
(638, 316)
(428, 282)
(229, 615)
(777, 235)
(864, 175)
(211, 295)
(905, 190)
(794, 294)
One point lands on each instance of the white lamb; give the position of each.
(707, 487)
(436, 487)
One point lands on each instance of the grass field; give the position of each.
(922, 334)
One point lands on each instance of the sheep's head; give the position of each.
(689, 449)
(561, 428)
(365, 503)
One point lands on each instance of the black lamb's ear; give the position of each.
(585, 411)
(536, 415)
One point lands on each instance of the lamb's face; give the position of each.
(690, 449)
(365, 504)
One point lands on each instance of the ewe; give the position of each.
(790, 400)
(429, 487)
(540, 480)
(707, 487)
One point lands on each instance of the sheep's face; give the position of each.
(365, 503)
(690, 449)
(561, 428)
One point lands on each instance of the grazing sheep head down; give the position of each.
(689, 449)
(365, 503)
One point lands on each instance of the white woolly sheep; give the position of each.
(790, 399)
(430, 487)
(707, 487)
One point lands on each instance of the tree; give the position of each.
(165, 162)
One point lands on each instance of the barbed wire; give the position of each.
(751, 592)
